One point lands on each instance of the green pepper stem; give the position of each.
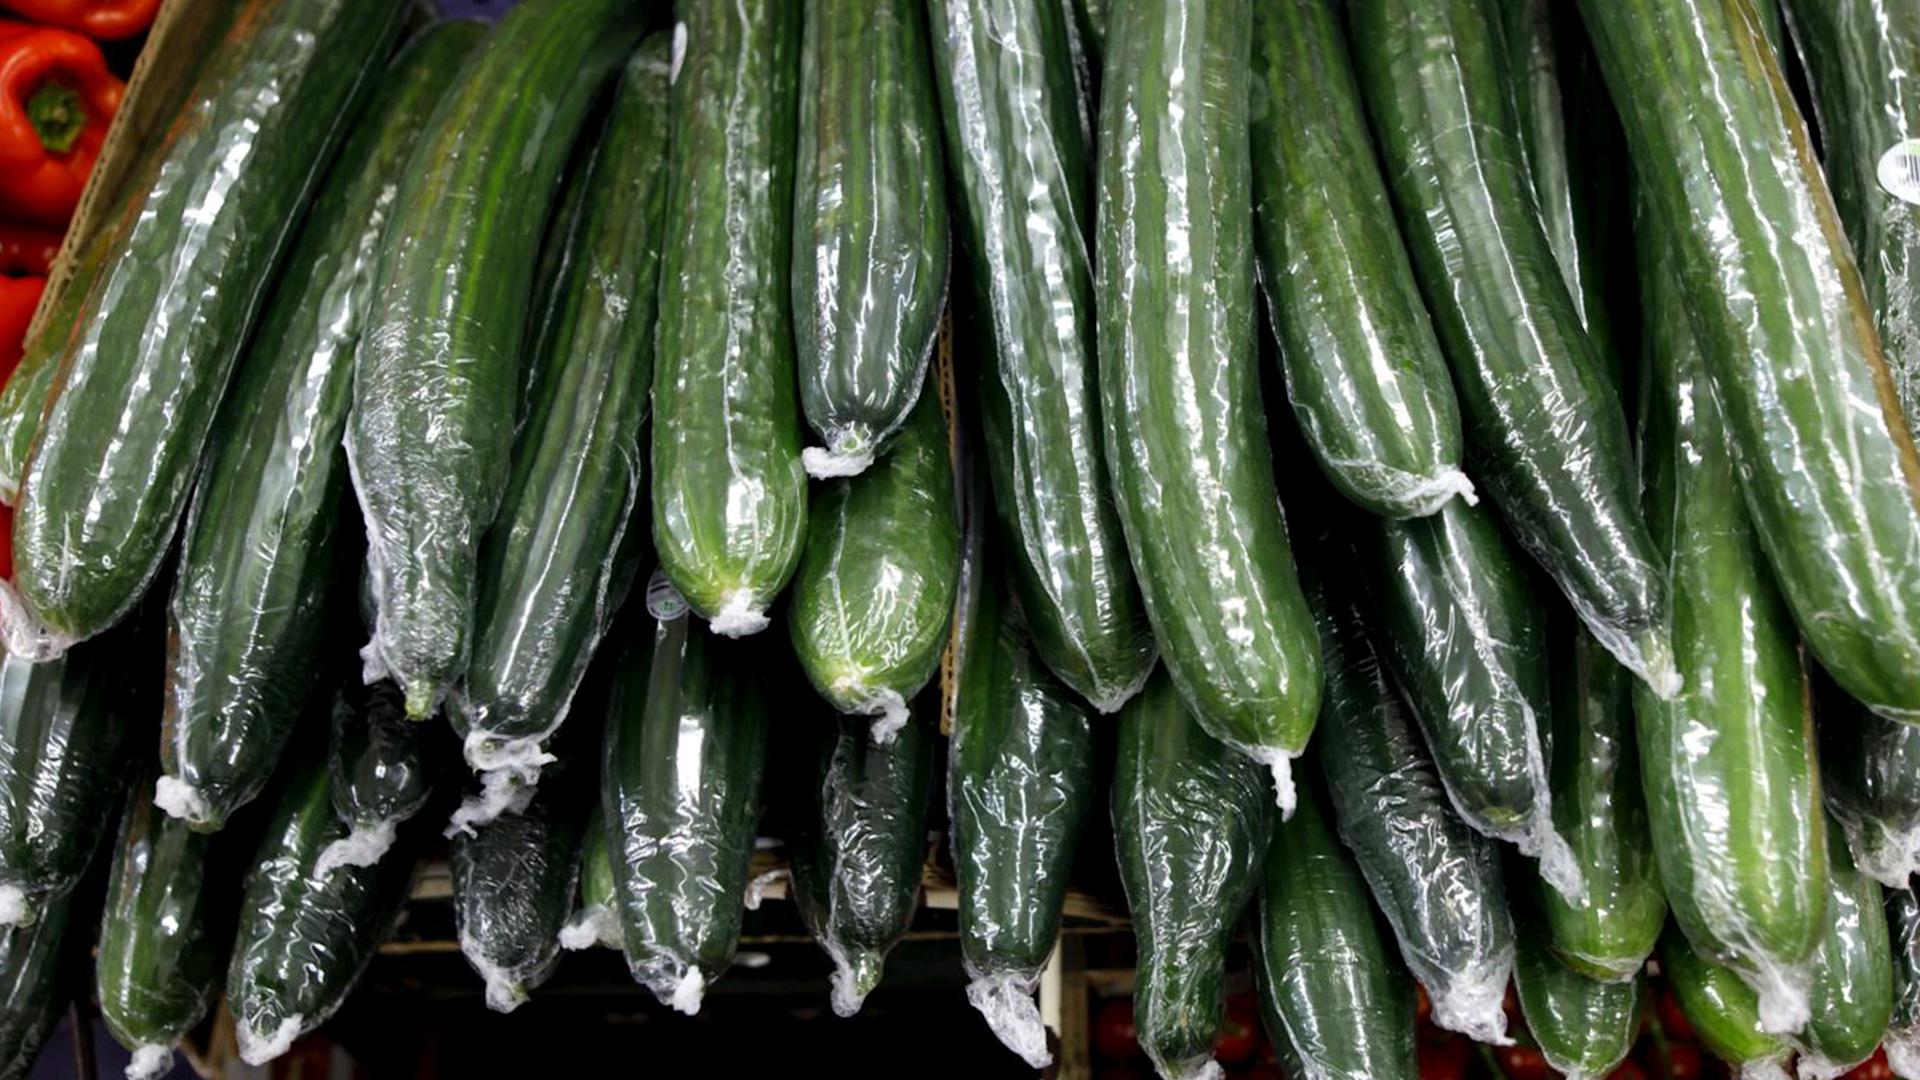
(57, 115)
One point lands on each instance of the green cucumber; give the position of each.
(1727, 765)
(1722, 1009)
(729, 491)
(595, 921)
(1331, 986)
(1583, 1026)
(248, 611)
(1179, 376)
(35, 987)
(1599, 808)
(562, 553)
(1903, 1030)
(382, 769)
(869, 226)
(559, 250)
(1852, 988)
(874, 593)
(1090, 22)
(1020, 155)
(857, 866)
(1365, 374)
(1870, 777)
(1824, 457)
(1551, 441)
(164, 324)
(438, 380)
(1191, 822)
(686, 744)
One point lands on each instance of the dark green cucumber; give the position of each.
(595, 919)
(1331, 985)
(1722, 1009)
(304, 939)
(141, 378)
(382, 769)
(249, 606)
(1852, 988)
(874, 593)
(1824, 457)
(34, 987)
(438, 380)
(1020, 157)
(1727, 765)
(1551, 442)
(1903, 1030)
(1583, 1027)
(1600, 810)
(1365, 374)
(561, 554)
(1179, 376)
(869, 226)
(1191, 822)
(729, 492)
(856, 869)
(1456, 617)
(1090, 21)
(1870, 778)
(686, 743)
(559, 250)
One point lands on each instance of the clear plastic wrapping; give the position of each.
(596, 919)
(1902, 1041)
(382, 767)
(34, 986)
(1723, 1010)
(1870, 779)
(1852, 989)
(1583, 1026)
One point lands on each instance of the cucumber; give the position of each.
(1583, 1026)
(686, 744)
(305, 939)
(595, 921)
(1090, 22)
(1870, 777)
(559, 250)
(1852, 988)
(1601, 811)
(869, 276)
(1824, 459)
(1331, 987)
(1722, 1009)
(248, 614)
(1551, 444)
(856, 870)
(562, 553)
(1191, 822)
(1021, 160)
(382, 767)
(874, 593)
(1727, 765)
(1365, 374)
(1179, 377)
(163, 326)
(1903, 1029)
(35, 987)
(729, 491)
(436, 386)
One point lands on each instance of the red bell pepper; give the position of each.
(18, 297)
(108, 20)
(27, 249)
(56, 100)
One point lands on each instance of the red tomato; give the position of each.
(1685, 1062)
(1874, 1068)
(1239, 1031)
(1422, 1008)
(1628, 1070)
(1113, 1034)
(1673, 1021)
(1446, 1059)
(1522, 1063)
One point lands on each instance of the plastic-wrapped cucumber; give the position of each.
(1722, 1009)
(1179, 377)
(1852, 988)
(561, 555)
(1583, 1026)
(1191, 823)
(382, 770)
(34, 987)
(686, 743)
(1365, 374)
(1458, 621)
(596, 919)
(1903, 1030)
(1331, 986)
(857, 865)
(1870, 779)
(874, 592)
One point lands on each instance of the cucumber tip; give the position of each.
(1006, 1002)
(258, 1049)
(150, 1061)
(688, 992)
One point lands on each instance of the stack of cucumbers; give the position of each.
(1458, 455)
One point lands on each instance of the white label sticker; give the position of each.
(1899, 171)
(664, 602)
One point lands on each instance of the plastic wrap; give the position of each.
(1769, 286)
(1331, 985)
(1365, 374)
(1870, 779)
(142, 376)
(1179, 379)
(1191, 823)
(729, 492)
(382, 767)
(1723, 1010)
(874, 593)
(869, 226)
(439, 375)
(1549, 432)
(596, 917)
(686, 744)
(1018, 147)
(34, 988)
(1852, 987)
(1584, 1027)
(1902, 1041)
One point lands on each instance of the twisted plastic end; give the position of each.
(258, 1049)
(181, 799)
(1006, 1001)
(363, 846)
(689, 992)
(824, 464)
(151, 1061)
(738, 617)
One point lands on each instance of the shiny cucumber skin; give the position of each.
(140, 381)
(874, 593)
(34, 987)
(1870, 778)
(1902, 1041)
(1720, 1006)
(1331, 984)
(1824, 457)
(869, 225)
(1551, 442)
(1179, 376)
(686, 744)
(1191, 823)
(729, 491)
(1852, 988)
(1583, 1026)
(248, 611)
(1369, 385)
(438, 378)
(1020, 155)
(560, 556)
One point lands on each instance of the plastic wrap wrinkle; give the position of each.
(1006, 1001)
(25, 636)
(258, 1049)
(758, 886)
(150, 1061)
(362, 846)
